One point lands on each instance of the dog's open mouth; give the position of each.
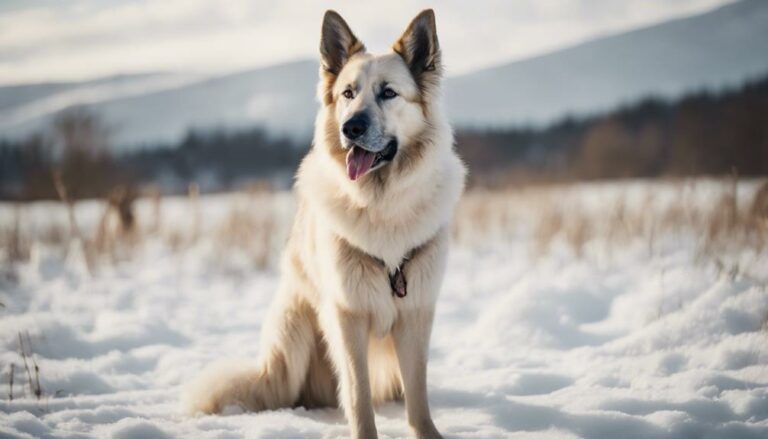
(360, 160)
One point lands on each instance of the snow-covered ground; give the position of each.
(585, 311)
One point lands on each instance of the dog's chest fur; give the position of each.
(386, 224)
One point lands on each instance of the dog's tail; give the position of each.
(289, 343)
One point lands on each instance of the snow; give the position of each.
(624, 338)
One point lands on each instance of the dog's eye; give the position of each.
(388, 93)
(349, 94)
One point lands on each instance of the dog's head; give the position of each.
(377, 106)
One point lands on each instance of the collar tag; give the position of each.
(398, 283)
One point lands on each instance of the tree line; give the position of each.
(704, 133)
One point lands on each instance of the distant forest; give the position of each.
(705, 133)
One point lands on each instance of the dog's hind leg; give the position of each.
(288, 340)
(321, 385)
(384, 370)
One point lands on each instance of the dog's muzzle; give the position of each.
(361, 160)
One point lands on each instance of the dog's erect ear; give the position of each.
(337, 43)
(419, 48)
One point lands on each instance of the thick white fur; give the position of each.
(335, 331)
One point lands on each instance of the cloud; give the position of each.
(86, 38)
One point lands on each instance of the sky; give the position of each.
(83, 39)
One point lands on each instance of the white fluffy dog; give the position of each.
(351, 321)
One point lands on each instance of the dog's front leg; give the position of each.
(348, 343)
(411, 336)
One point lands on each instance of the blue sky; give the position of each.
(81, 39)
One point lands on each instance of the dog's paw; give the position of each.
(426, 430)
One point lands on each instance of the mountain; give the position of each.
(25, 106)
(280, 97)
(719, 48)
(150, 108)
(712, 50)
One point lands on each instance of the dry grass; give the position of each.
(31, 368)
(249, 229)
(719, 217)
(12, 241)
(11, 374)
(716, 216)
(30, 372)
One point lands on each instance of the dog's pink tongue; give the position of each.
(359, 161)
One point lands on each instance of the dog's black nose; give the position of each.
(355, 126)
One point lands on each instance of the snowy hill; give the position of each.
(714, 49)
(277, 97)
(26, 107)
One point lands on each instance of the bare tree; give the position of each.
(81, 154)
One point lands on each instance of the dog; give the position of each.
(351, 321)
